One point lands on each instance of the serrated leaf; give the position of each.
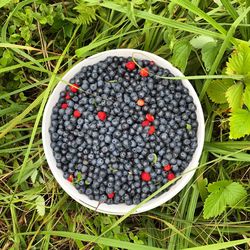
(208, 52)
(234, 96)
(217, 90)
(40, 205)
(199, 42)
(239, 63)
(246, 97)
(215, 186)
(181, 52)
(223, 193)
(235, 193)
(214, 205)
(87, 14)
(239, 123)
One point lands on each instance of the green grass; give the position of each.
(38, 44)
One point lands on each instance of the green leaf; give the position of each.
(40, 205)
(234, 96)
(246, 97)
(239, 63)
(223, 193)
(215, 186)
(181, 52)
(87, 14)
(217, 90)
(239, 123)
(236, 193)
(33, 176)
(78, 178)
(155, 158)
(188, 126)
(199, 42)
(25, 33)
(208, 53)
(7, 58)
(214, 205)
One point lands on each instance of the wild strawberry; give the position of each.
(111, 195)
(140, 102)
(151, 130)
(145, 123)
(101, 115)
(170, 176)
(70, 178)
(67, 97)
(130, 65)
(145, 176)
(144, 72)
(167, 167)
(74, 87)
(77, 113)
(150, 117)
(64, 105)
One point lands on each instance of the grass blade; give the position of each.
(90, 238)
(218, 245)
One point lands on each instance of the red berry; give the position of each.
(152, 63)
(70, 178)
(150, 117)
(130, 65)
(67, 97)
(77, 113)
(111, 195)
(144, 72)
(74, 87)
(151, 130)
(140, 102)
(145, 123)
(64, 105)
(101, 115)
(167, 167)
(171, 176)
(145, 176)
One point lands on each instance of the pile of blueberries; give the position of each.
(120, 130)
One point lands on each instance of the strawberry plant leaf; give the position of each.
(181, 52)
(236, 194)
(222, 194)
(215, 186)
(40, 205)
(239, 63)
(208, 52)
(214, 204)
(239, 123)
(246, 97)
(234, 96)
(199, 42)
(217, 90)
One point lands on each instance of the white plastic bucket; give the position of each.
(68, 187)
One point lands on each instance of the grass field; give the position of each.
(41, 39)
